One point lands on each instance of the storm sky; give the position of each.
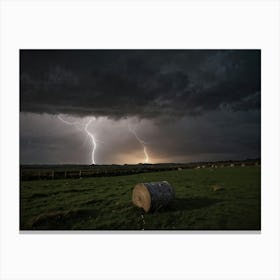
(183, 105)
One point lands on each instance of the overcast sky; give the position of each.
(139, 105)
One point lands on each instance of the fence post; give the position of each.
(80, 173)
(65, 174)
(52, 174)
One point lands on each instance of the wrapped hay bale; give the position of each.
(152, 196)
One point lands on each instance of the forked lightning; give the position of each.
(85, 128)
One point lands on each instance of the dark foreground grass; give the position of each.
(206, 199)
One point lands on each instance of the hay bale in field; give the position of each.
(216, 188)
(152, 196)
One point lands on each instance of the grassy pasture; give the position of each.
(206, 199)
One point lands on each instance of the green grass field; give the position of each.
(104, 203)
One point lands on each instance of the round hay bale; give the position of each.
(152, 196)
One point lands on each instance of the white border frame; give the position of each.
(124, 24)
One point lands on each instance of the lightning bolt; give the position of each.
(76, 124)
(142, 142)
(85, 128)
(92, 140)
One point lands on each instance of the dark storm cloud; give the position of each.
(146, 84)
(186, 105)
